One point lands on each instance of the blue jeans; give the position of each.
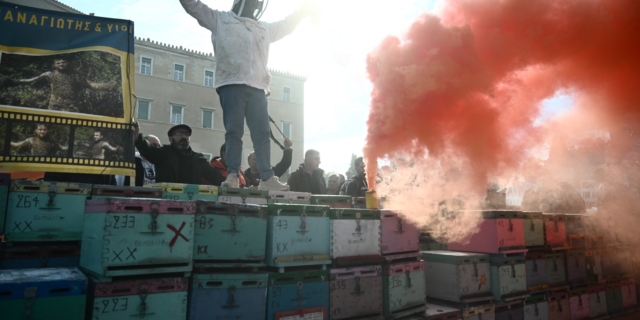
(239, 102)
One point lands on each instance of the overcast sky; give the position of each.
(331, 54)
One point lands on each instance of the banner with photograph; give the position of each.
(66, 84)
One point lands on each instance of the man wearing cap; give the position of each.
(176, 162)
(241, 46)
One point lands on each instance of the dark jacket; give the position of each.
(167, 161)
(299, 182)
(278, 170)
(356, 187)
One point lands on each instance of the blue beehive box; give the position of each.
(32, 257)
(5, 181)
(297, 235)
(130, 236)
(35, 294)
(228, 296)
(230, 233)
(45, 211)
(301, 292)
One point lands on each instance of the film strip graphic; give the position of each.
(63, 121)
(77, 134)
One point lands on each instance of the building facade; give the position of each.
(174, 85)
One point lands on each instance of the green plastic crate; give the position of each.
(45, 211)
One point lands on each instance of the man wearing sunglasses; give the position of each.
(176, 162)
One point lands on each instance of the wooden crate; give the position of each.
(42, 256)
(536, 268)
(457, 276)
(187, 192)
(293, 292)
(228, 296)
(229, 233)
(355, 234)
(336, 202)
(45, 211)
(536, 308)
(152, 299)
(52, 294)
(243, 196)
(508, 278)
(355, 292)
(398, 235)
(297, 235)
(499, 232)
(559, 308)
(108, 191)
(128, 236)
(404, 290)
(533, 229)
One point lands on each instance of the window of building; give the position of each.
(286, 129)
(207, 119)
(144, 108)
(208, 78)
(178, 72)
(286, 94)
(146, 65)
(177, 114)
(207, 156)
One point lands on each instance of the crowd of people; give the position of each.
(178, 163)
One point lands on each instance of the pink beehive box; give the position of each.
(399, 235)
(499, 232)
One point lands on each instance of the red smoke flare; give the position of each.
(469, 84)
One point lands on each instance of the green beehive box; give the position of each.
(297, 235)
(5, 181)
(614, 299)
(230, 233)
(290, 197)
(132, 236)
(533, 229)
(43, 294)
(508, 278)
(343, 202)
(243, 196)
(45, 211)
(404, 289)
(187, 192)
(156, 298)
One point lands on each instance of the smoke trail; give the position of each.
(463, 89)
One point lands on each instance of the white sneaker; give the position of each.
(232, 181)
(273, 184)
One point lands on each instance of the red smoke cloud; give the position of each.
(469, 84)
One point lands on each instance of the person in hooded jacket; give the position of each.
(309, 177)
(357, 186)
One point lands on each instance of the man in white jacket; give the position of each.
(241, 48)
